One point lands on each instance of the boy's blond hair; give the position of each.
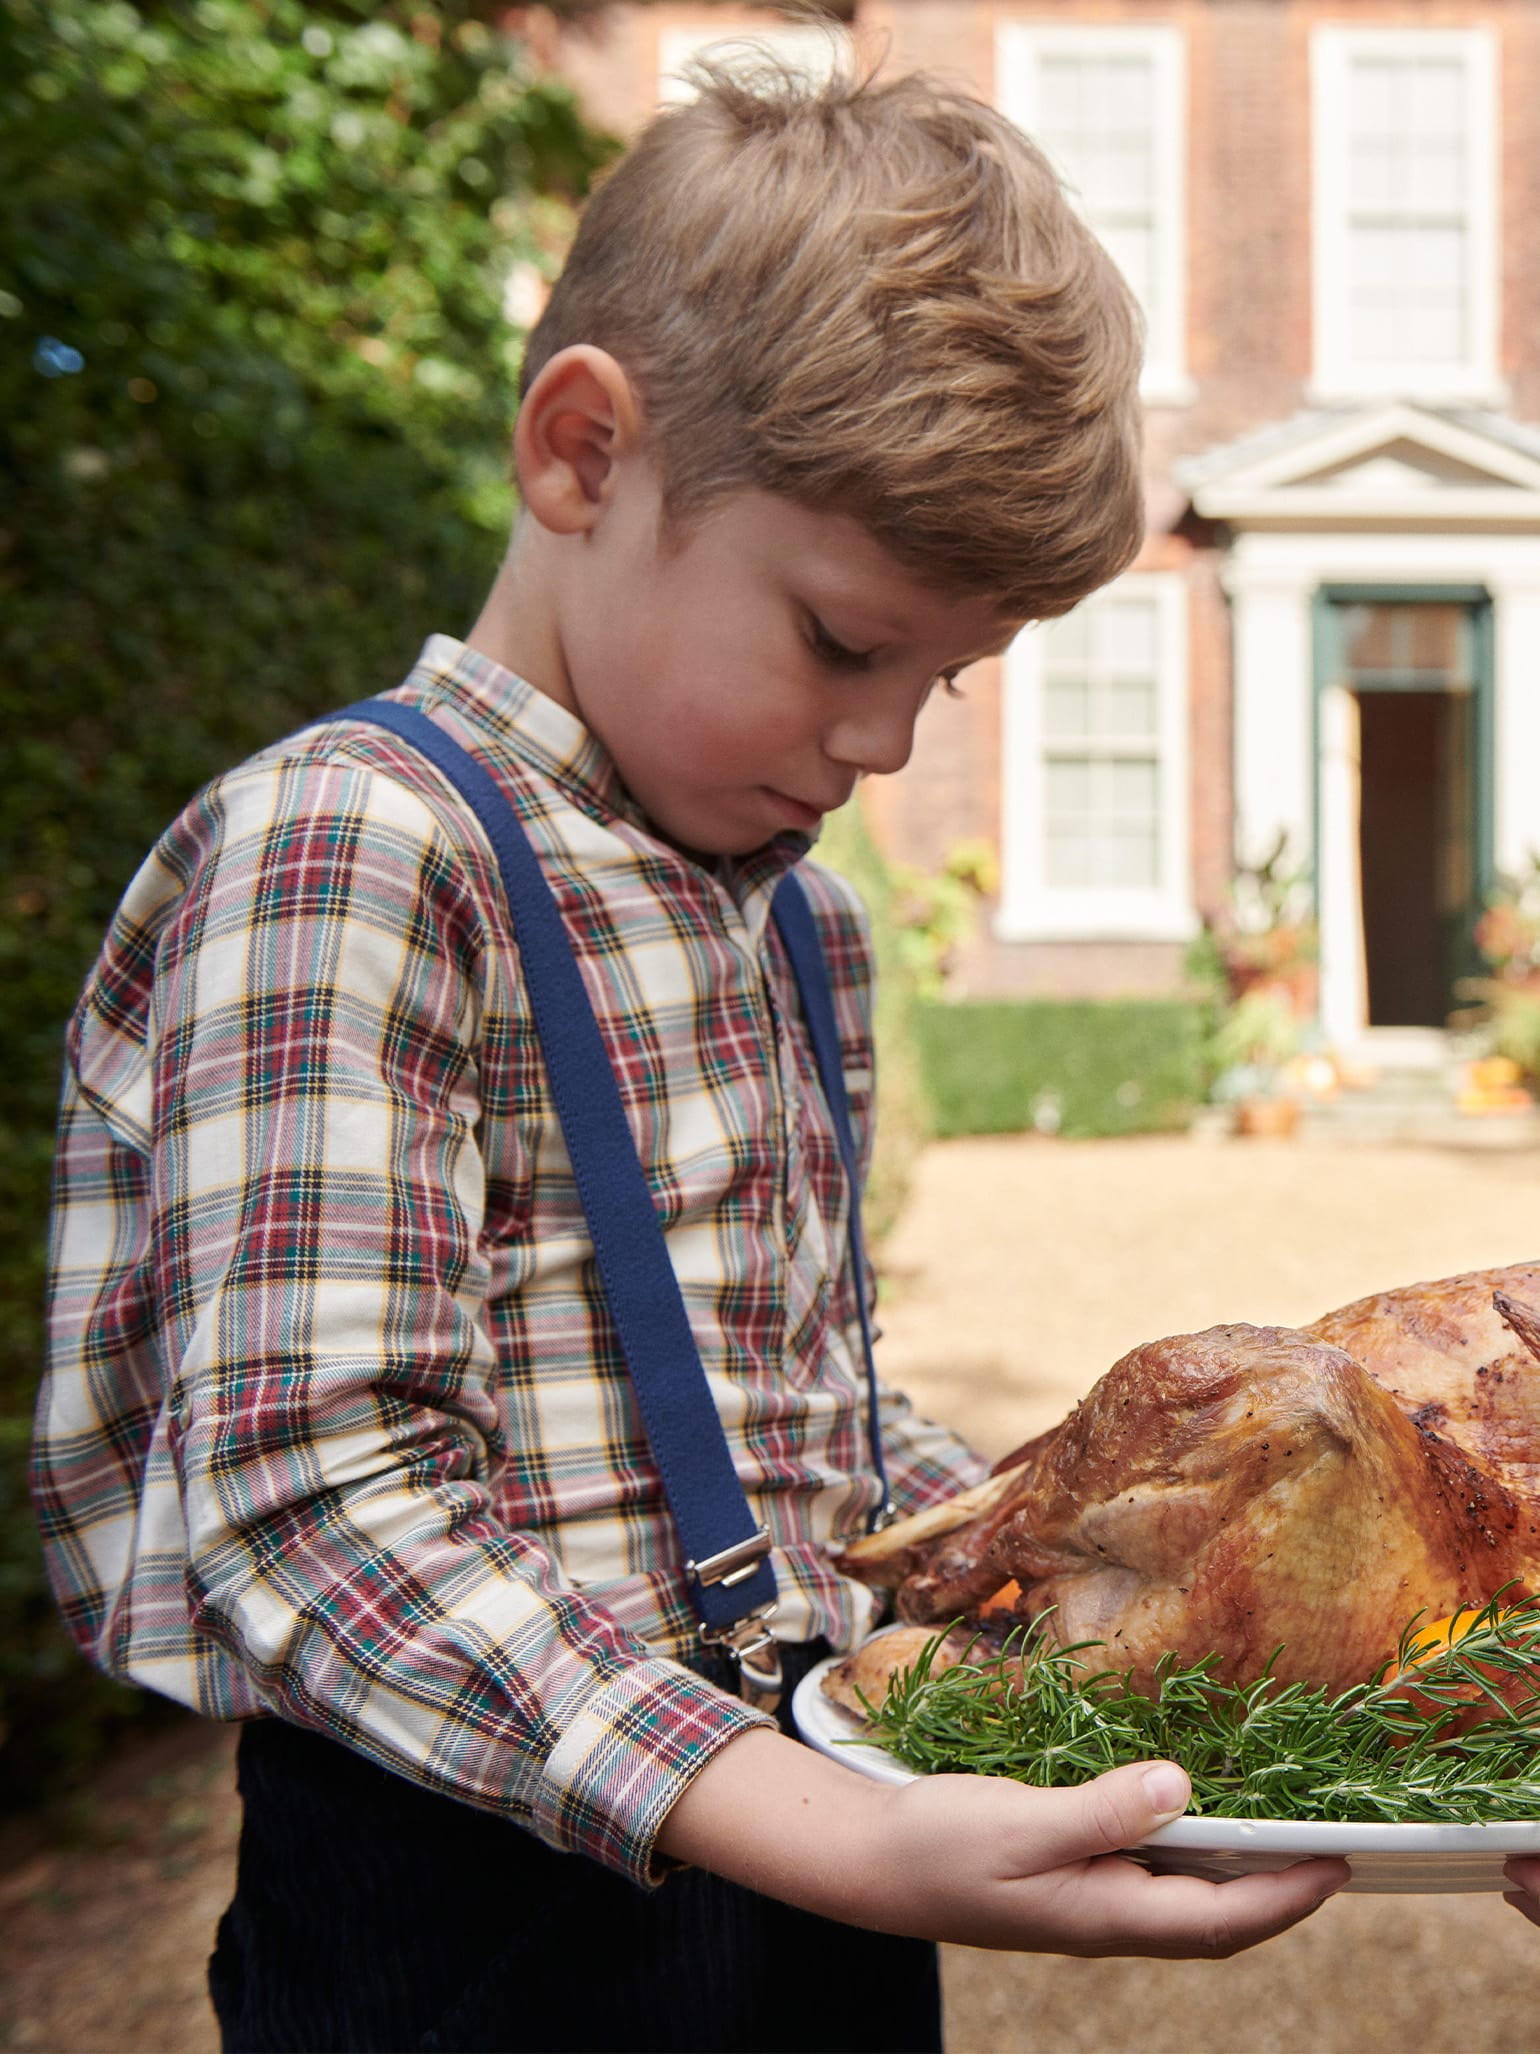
(870, 295)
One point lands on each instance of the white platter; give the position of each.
(1388, 1860)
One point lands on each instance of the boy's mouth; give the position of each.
(800, 815)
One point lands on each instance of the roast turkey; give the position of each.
(1250, 1488)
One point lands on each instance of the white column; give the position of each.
(1516, 769)
(1344, 979)
(1272, 714)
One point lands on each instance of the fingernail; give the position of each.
(1167, 1790)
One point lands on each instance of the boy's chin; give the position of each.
(738, 851)
(709, 842)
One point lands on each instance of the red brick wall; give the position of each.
(1249, 343)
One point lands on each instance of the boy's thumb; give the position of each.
(1118, 1809)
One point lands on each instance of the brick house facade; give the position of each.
(1332, 636)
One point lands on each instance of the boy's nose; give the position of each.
(876, 739)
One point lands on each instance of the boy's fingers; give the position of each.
(1116, 1810)
(1180, 1916)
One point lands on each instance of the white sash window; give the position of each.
(1108, 106)
(1405, 213)
(1096, 829)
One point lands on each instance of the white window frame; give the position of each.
(1030, 908)
(1019, 50)
(1336, 376)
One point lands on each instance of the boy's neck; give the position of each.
(517, 626)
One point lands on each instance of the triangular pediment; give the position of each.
(1388, 466)
(1403, 465)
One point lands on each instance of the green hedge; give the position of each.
(255, 394)
(1079, 1068)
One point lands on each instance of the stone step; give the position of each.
(1377, 1116)
(1429, 1124)
(1406, 1087)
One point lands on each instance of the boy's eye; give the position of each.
(949, 685)
(833, 652)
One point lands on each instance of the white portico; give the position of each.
(1384, 575)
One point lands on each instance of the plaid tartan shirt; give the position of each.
(335, 1424)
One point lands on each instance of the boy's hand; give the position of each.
(980, 1861)
(997, 1864)
(1523, 1873)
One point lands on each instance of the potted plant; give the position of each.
(1257, 958)
(1257, 1036)
(1507, 1016)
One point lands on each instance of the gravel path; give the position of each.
(1021, 1270)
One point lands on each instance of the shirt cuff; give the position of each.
(626, 1758)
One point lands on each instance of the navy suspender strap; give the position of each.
(734, 1585)
(799, 934)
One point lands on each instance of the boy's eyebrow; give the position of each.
(878, 625)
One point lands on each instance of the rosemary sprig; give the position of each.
(1449, 1742)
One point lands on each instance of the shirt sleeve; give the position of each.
(317, 1196)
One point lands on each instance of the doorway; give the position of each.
(1411, 670)
(1413, 850)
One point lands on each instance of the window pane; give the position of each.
(1371, 96)
(1408, 175)
(1131, 858)
(1377, 259)
(1434, 98)
(1413, 643)
(1134, 786)
(1065, 708)
(1125, 638)
(1437, 262)
(1437, 336)
(1407, 300)
(1067, 784)
(1122, 170)
(1374, 336)
(1097, 123)
(1066, 856)
(1373, 167)
(1068, 640)
(1101, 821)
(1434, 180)
(1128, 707)
(1063, 93)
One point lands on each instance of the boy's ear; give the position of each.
(579, 417)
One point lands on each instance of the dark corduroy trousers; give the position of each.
(370, 1914)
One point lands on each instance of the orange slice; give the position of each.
(1004, 1600)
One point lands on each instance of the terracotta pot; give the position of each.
(1271, 1119)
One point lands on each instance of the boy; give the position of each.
(833, 395)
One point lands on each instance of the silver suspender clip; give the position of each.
(747, 1642)
(751, 1647)
(734, 1565)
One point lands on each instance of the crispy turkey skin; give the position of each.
(1250, 1488)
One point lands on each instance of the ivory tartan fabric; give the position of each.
(335, 1423)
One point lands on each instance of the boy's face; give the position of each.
(744, 676)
